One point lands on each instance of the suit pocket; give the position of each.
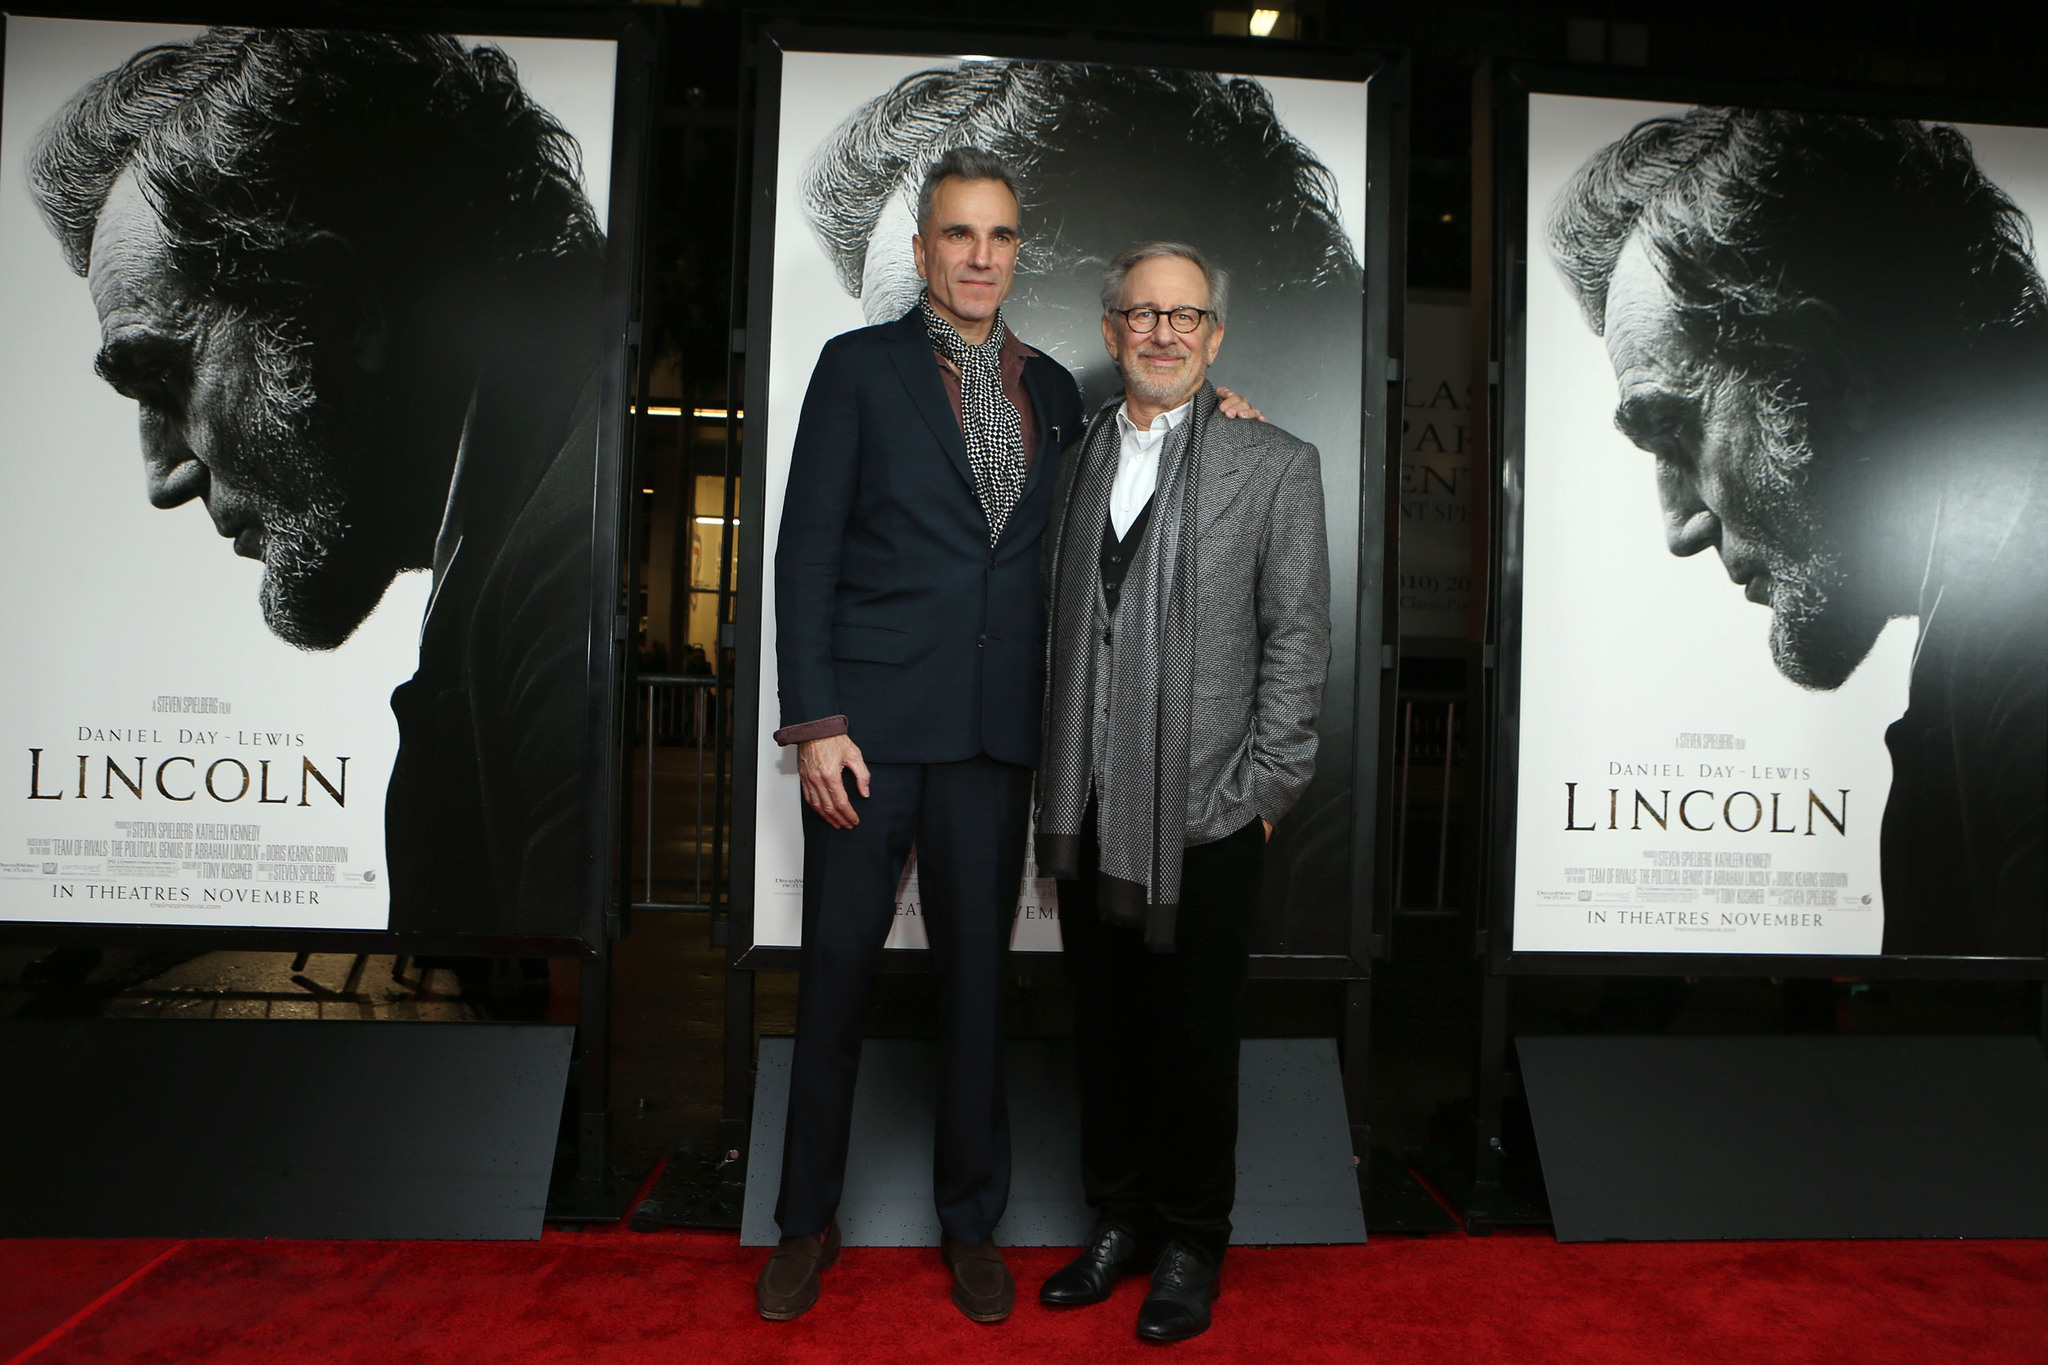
(872, 644)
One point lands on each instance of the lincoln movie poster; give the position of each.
(1267, 175)
(1784, 624)
(298, 423)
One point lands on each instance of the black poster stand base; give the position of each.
(1913, 1131)
(277, 1128)
(1673, 1137)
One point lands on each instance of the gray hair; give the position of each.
(1216, 275)
(962, 163)
(249, 142)
(1751, 215)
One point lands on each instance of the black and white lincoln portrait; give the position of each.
(1109, 155)
(1265, 175)
(348, 285)
(1828, 340)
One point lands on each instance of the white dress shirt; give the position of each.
(1137, 464)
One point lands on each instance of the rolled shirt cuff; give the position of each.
(811, 729)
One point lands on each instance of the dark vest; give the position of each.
(1117, 554)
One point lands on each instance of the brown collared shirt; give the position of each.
(1014, 353)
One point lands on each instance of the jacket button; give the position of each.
(1105, 637)
(980, 641)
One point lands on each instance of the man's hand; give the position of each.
(1233, 405)
(1269, 827)
(821, 763)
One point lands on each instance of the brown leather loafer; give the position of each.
(982, 1287)
(789, 1282)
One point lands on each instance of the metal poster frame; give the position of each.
(1508, 257)
(1385, 76)
(597, 915)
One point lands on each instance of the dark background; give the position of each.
(667, 1009)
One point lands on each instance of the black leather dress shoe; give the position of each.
(1111, 1253)
(1183, 1286)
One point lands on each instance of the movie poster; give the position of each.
(1782, 624)
(1293, 345)
(298, 559)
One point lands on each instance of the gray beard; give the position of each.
(316, 590)
(1136, 384)
(298, 601)
(1819, 633)
(1808, 642)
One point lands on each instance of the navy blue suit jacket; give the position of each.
(891, 607)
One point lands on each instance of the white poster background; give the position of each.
(1634, 659)
(819, 90)
(111, 607)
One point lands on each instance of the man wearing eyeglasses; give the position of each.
(1188, 639)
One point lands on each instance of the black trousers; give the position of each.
(968, 821)
(1156, 1043)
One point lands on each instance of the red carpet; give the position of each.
(618, 1296)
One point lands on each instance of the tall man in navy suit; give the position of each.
(910, 635)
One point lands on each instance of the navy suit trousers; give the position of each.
(968, 822)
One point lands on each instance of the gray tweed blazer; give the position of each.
(1262, 620)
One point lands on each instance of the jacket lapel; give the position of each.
(1220, 488)
(919, 369)
(1226, 468)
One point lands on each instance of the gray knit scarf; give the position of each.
(1142, 805)
(988, 419)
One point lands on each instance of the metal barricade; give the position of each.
(1433, 735)
(676, 735)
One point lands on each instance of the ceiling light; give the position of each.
(709, 414)
(1263, 21)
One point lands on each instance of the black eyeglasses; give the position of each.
(1143, 320)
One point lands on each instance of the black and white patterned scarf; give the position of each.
(1142, 801)
(988, 419)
